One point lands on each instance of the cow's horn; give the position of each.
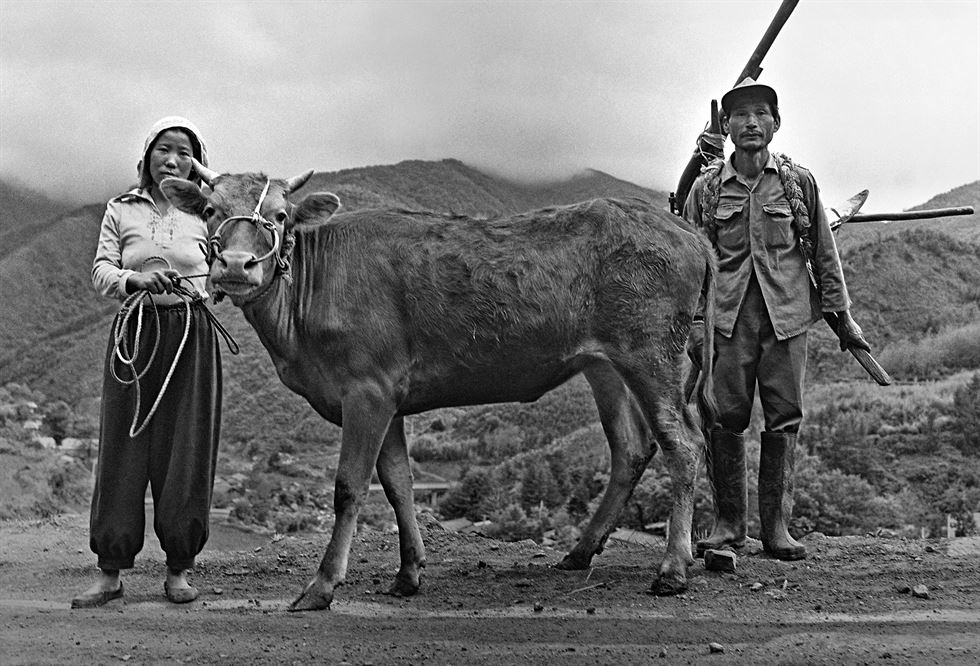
(296, 182)
(205, 173)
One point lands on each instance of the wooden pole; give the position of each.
(911, 214)
(753, 68)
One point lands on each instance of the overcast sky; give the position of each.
(880, 95)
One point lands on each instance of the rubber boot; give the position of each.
(726, 471)
(776, 496)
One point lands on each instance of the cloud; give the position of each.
(873, 95)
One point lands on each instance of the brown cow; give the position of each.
(394, 312)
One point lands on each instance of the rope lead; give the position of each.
(130, 305)
(133, 304)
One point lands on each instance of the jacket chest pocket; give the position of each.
(731, 233)
(778, 219)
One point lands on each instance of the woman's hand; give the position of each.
(155, 282)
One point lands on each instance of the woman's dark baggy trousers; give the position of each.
(177, 451)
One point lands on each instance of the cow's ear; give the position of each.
(315, 209)
(184, 194)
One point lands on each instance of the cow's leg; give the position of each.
(660, 394)
(631, 446)
(680, 447)
(367, 412)
(395, 473)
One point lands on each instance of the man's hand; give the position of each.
(850, 333)
(155, 282)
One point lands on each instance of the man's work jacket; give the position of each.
(756, 234)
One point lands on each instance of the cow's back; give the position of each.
(484, 300)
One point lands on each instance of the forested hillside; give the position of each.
(54, 324)
(23, 214)
(900, 457)
(453, 187)
(54, 327)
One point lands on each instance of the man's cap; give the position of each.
(747, 85)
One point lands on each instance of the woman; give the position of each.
(161, 402)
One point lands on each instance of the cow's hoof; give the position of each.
(668, 585)
(404, 586)
(315, 597)
(572, 562)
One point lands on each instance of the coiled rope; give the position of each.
(134, 305)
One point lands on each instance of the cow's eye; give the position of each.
(208, 211)
(281, 217)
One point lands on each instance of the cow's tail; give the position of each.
(704, 387)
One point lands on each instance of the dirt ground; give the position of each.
(489, 602)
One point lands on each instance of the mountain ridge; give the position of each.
(961, 227)
(54, 326)
(25, 212)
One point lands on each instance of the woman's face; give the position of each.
(171, 156)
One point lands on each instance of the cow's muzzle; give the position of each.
(215, 252)
(214, 243)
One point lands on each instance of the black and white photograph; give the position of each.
(485, 332)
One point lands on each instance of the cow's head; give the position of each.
(250, 224)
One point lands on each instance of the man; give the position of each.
(778, 271)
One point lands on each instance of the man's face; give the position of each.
(751, 123)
